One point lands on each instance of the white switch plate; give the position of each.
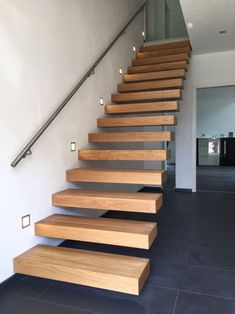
(25, 221)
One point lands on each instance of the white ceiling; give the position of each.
(208, 17)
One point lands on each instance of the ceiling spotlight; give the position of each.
(134, 48)
(120, 71)
(190, 25)
(223, 31)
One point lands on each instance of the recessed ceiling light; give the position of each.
(223, 31)
(190, 25)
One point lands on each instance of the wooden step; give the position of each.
(94, 269)
(137, 121)
(160, 75)
(156, 60)
(168, 45)
(158, 67)
(121, 176)
(151, 85)
(164, 106)
(121, 154)
(170, 94)
(109, 200)
(129, 137)
(129, 233)
(163, 52)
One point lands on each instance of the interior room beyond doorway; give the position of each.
(216, 139)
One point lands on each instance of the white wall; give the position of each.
(207, 70)
(46, 47)
(215, 111)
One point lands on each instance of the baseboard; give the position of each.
(183, 190)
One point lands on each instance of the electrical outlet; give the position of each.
(25, 221)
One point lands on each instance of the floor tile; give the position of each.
(194, 279)
(153, 300)
(26, 286)
(212, 258)
(214, 240)
(190, 303)
(10, 304)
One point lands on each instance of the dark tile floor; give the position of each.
(209, 178)
(193, 266)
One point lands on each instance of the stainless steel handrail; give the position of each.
(27, 149)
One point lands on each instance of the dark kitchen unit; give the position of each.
(227, 151)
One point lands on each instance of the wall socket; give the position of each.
(25, 221)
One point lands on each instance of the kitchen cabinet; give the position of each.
(227, 151)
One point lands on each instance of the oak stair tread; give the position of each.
(170, 94)
(121, 176)
(163, 52)
(137, 121)
(167, 45)
(108, 200)
(163, 59)
(159, 75)
(161, 106)
(95, 269)
(128, 233)
(128, 137)
(124, 154)
(158, 67)
(151, 85)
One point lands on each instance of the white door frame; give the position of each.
(194, 124)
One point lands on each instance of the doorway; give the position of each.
(215, 133)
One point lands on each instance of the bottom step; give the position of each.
(94, 269)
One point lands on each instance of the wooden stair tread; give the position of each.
(158, 67)
(124, 154)
(170, 94)
(168, 45)
(159, 75)
(163, 59)
(129, 233)
(151, 85)
(136, 121)
(112, 175)
(101, 270)
(128, 137)
(161, 106)
(108, 200)
(163, 52)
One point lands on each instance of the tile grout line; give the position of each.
(195, 292)
(188, 257)
(176, 299)
(49, 302)
(44, 291)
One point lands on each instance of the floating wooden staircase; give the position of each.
(152, 87)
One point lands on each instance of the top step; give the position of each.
(164, 52)
(169, 45)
